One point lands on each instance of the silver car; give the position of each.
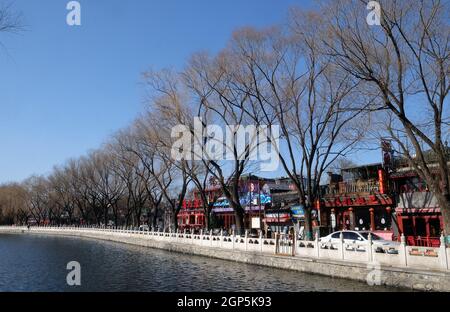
(354, 238)
(144, 228)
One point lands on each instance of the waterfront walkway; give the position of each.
(420, 268)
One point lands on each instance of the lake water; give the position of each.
(38, 263)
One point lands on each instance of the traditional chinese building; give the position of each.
(358, 199)
(254, 194)
(418, 214)
(192, 214)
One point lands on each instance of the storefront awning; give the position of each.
(277, 218)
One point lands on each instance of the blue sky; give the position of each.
(64, 90)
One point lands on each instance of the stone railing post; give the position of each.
(234, 238)
(443, 254)
(192, 237)
(341, 245)
(221, 238)
(294, 244)
(260, 241)
(369, 248)
(184, 235)
(403, 250)
(277, 243)
(210, 238)
(316, 245)
(246, 240)
(201, 237)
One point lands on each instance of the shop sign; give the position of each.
(298, 211)
(256, 223)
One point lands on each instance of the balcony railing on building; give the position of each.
(356, 187)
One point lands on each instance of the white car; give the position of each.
(144, 227)
(354, 237)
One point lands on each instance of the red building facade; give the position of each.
(192, 214)
(358, 199)
(417, 212)
(254, 197)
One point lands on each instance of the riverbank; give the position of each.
(415, 279)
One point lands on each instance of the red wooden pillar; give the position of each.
(389, 215)
(372, 219)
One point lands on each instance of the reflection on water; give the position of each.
(38, 263)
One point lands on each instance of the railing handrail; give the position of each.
(284, 244)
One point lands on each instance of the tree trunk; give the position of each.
(207, 212)
(175, 220)
(308, 224)
(155, 218)
(239, 217)
(444, 204)
(206, 208)
(106, 217)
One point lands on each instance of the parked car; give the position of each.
(354, 237)
(144, 227)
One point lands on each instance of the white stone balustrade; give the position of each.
(426, 258)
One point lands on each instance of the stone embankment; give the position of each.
(417, 268)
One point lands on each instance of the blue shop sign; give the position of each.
(298, 211)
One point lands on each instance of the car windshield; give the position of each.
(374, 236)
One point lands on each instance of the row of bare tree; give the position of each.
(327, 78)
(102, 187)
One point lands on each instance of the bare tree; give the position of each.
(37, 198)
(79, 189)
(172, 107)
(63, 197)
(105, 183)
(13, 207)
(163, 181)
(221, 106)
(405, 63)
(295, 86)
(128, 167)
(10, 20)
